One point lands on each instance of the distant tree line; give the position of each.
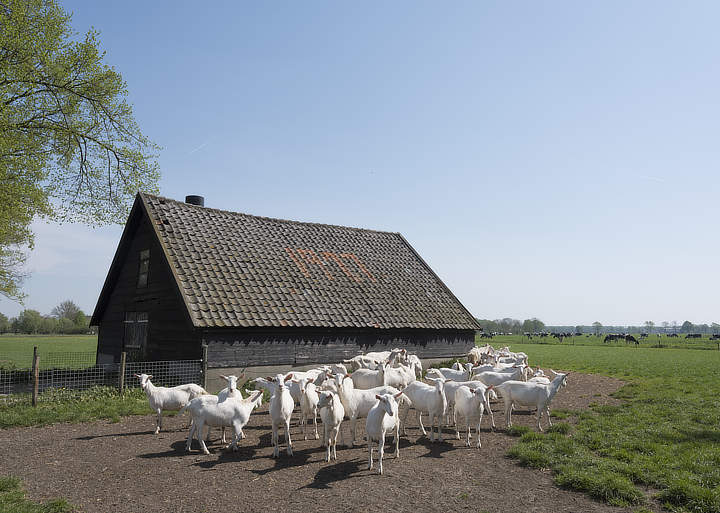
(535, 325)
(513, 326)
(66, 318)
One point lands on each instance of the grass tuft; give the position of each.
(611, 488)
(517, 430)
(560, 427)
(12, 499)
(690, 496)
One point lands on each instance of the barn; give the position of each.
(259, 291)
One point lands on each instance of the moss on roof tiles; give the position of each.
(322, 275)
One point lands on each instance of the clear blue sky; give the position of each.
(549, 159)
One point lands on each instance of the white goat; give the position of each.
(430, 399)
(539, 377)
(361, 362)
(357, 403)
(521, 393)
(308, 404)
(383, 418)
(469, 403)
(398, 377)
(495, 378)
(474, 356)
(455, 375)
(331, 413)
(164, 398)
(452, 386)
(415, 364)
(233, 412)
(281, 408)
(365, 379)
(336, 368)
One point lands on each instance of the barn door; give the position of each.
(135, 338)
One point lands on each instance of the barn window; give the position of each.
(136, 328)
(144, 268)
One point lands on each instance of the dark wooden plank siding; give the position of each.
(170, 334)
(247, 348)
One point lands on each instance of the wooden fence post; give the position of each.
(36, 376)
(121, 376)
(205, 366)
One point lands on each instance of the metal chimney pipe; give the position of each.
(195, 200)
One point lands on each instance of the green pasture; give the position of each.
(654, 340)
(665, 436)
(16, 351)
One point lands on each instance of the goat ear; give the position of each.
(289, 376)
(397, 396)
(223, 377)
(378, 397)
(150, 376)
(137, 376)
(268, 378)
(311, 380)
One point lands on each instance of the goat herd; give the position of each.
(373, 386)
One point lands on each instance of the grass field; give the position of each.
(664, 437)
(16, 351)
(653, 341)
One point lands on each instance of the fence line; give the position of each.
(16, 384)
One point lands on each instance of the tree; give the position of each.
(687, 327)
(4, 324)
(29, 321)
(597, 328)
(48, 325)
(70, 149)
(715, 327)
(533, 325)
(649, 325)
(66, 310)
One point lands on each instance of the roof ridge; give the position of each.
(289, 221)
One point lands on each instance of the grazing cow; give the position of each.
(715, 337)
(693, 335)
(673, 335)
(630, 338)
(613, 336)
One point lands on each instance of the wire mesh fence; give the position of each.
(165, 373)
(72, 360)
(67, 381)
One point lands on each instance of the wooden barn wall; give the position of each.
(247, 348)
(170, 335)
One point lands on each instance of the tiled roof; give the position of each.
(239, 270)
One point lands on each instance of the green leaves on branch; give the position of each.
(70, 149)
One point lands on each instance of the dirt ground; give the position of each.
(123, 467)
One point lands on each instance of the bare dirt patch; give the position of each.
(123, 467)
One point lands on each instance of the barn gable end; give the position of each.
(170, 334)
